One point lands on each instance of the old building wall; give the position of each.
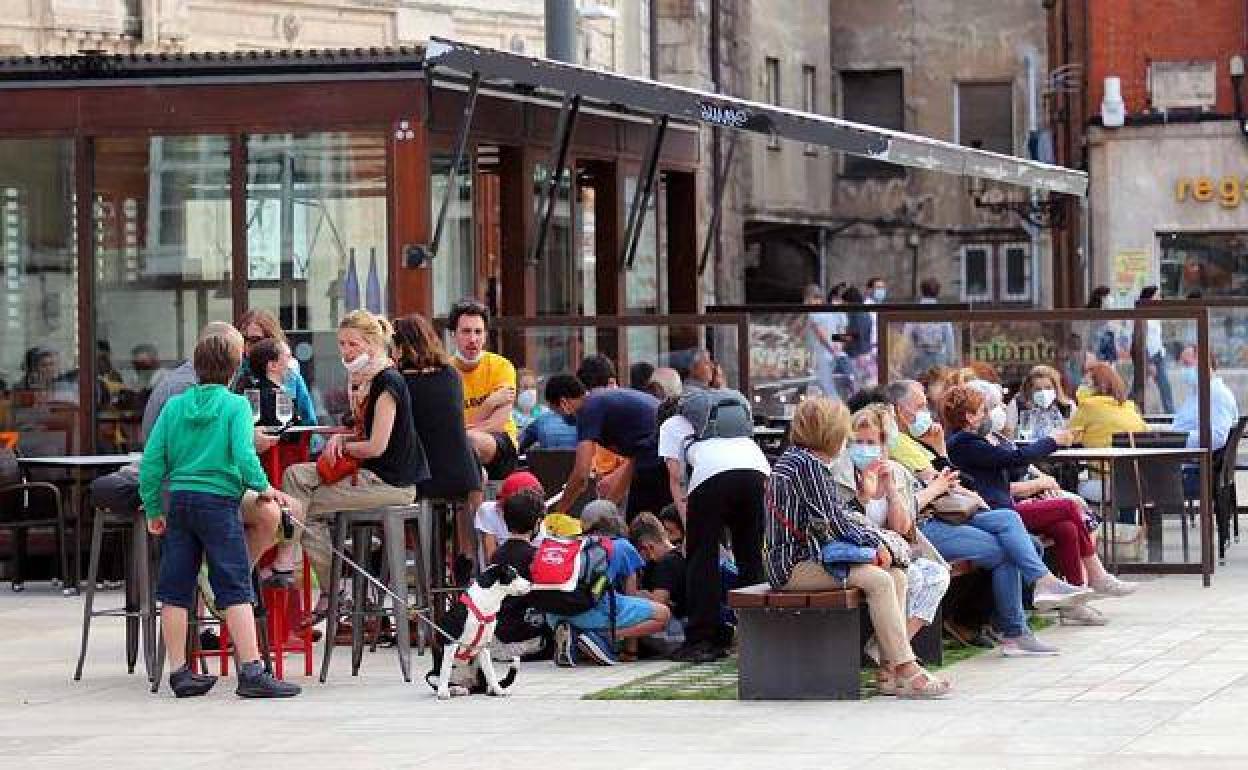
(936, 44)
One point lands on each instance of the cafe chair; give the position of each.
(1224, 499)
(27, 505)
(1153, 487)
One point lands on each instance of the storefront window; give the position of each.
(453, 265)
(162, 242)
(316, 243)
(1214, 264)
(39, 292)
(645, 289)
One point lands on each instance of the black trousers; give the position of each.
(732, 499)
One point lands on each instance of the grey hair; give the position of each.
(898, 390)
(667, 379)
(602, 517)
(992, 392)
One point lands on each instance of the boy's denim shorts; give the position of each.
(204, 526)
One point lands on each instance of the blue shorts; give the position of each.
(204, 526)
(629, 611)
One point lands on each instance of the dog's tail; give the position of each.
(513, 668)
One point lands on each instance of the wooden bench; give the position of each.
(807, 645)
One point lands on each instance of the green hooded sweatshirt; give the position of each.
(202, 442)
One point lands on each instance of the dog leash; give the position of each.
(289, 522)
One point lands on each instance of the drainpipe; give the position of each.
(561, 30)
(1033, 125)
(717, 159)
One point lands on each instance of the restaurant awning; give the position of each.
(663, 99)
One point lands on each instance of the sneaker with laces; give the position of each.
(1081, 615)
(595, 647)
(1113, 588)
(255, 682)
(565, 647)
(1060, 594)
(1026, 646)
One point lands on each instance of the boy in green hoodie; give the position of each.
(203, 446)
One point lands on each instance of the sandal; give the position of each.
(885, 684)
(922, 685)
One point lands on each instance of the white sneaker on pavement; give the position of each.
(1060, 595)
(1026, 646)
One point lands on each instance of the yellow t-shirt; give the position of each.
(490, 374)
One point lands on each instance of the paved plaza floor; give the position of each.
(1164, 685)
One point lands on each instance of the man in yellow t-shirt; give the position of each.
(489, 390)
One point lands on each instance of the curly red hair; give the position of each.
(960, 402)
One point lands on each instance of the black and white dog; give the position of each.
(464, 666)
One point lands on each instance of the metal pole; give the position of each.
(641, 196)
(712, 230)
(461, 146)
(561, 30)
(558, 161)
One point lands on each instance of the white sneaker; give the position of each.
(1059, 595)
(1026, 646)
(1081, 615)
(1113, 588)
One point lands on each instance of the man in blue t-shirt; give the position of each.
(623, 421)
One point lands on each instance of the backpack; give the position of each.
(570, 575)
(117, 491)
(716, 413)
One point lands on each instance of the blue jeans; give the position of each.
(202, 525)
(996, 541)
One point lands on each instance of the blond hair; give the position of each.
(821, 424)
(878, 417)
(375, 329)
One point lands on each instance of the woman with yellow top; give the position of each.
(1104, 410)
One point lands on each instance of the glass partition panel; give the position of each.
(38, 297)
(162, 240)
(1228, 341)
(548, 348)
(316, 241)
(1126, 384)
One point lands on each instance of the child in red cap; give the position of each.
(489, 519)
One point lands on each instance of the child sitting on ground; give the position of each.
(635, 616)
(203, 445)
(669, 516)
(489, 521)
(521, 629)
(662, 580)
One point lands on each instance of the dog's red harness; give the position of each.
(467, 652)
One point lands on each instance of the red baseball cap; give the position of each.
(518, 482)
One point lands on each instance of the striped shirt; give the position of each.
(801, 491)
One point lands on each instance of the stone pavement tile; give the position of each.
(983, 758)
(1229, 744)
(1032, 742)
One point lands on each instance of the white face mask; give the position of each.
(1044, 397)
(358, 363)
(462, 357)
(922, 423)
(879, 294)
(997, 415)
(526, 399)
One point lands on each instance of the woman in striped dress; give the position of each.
(805, 509)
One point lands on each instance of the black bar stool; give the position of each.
(393, 520)
(140, 568)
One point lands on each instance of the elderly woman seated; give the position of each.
(1005, 478)
(806, 510)
(884, 491)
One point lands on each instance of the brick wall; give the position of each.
(1125, 35)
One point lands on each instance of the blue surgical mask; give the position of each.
(863, 455)
(922, 423)
(879, 294)
(1187, 376)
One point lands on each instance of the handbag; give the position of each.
(333, 472)
(954, 508)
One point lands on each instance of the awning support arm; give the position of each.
(712, 229)
(558, 162)
(641, 196)
(461, 147)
